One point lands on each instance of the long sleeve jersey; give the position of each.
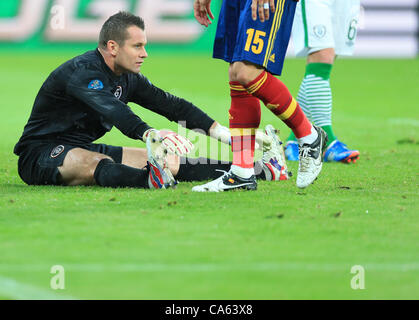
(83, 99)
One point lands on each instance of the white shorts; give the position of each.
(321, 24)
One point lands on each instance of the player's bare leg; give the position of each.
(316, 101)
(244, 72)
(322, 56)
(325, 56)
(83, 167)
(336, 150)
(79, 167)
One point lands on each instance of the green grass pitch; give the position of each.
(276, 243)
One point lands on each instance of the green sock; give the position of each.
(315, 98)
(330, 134)
(291, 137)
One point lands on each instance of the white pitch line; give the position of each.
(12, 289)
(404, 121)
(216, 267)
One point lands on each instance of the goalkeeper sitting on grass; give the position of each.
(86, 96)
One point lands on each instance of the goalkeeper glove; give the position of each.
(172, 142)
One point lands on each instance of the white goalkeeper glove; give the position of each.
(263, 141)
(172, 142)
(221, 133)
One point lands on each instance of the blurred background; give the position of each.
(387, 28)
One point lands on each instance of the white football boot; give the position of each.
(273, 161)
(311, 159)
(227, 182)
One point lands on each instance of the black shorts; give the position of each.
(38, 163)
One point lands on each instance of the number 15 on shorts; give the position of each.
(254, 40)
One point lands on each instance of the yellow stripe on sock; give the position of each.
(290, 110)
(272, 107)
(237, 88)
(238, 132)
(255, 87)
(272, 34)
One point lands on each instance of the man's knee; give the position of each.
(92, 166)
(79, 167)
(243, 72)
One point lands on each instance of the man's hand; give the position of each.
(262, 8)
(202, 12)
(221, 133)
(263, 141)
(172, 142)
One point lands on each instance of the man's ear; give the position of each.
(113, 47)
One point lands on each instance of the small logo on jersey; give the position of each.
(118, 92)
(272, 58)
(57, 151)
(95, 85)
(230, 117)
(319, 30)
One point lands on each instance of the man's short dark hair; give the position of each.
(115, 28)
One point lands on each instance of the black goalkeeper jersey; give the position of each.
(83, 99)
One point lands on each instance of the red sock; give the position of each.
(244, 116)
(276, 96)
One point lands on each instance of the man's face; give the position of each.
(131, 55)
